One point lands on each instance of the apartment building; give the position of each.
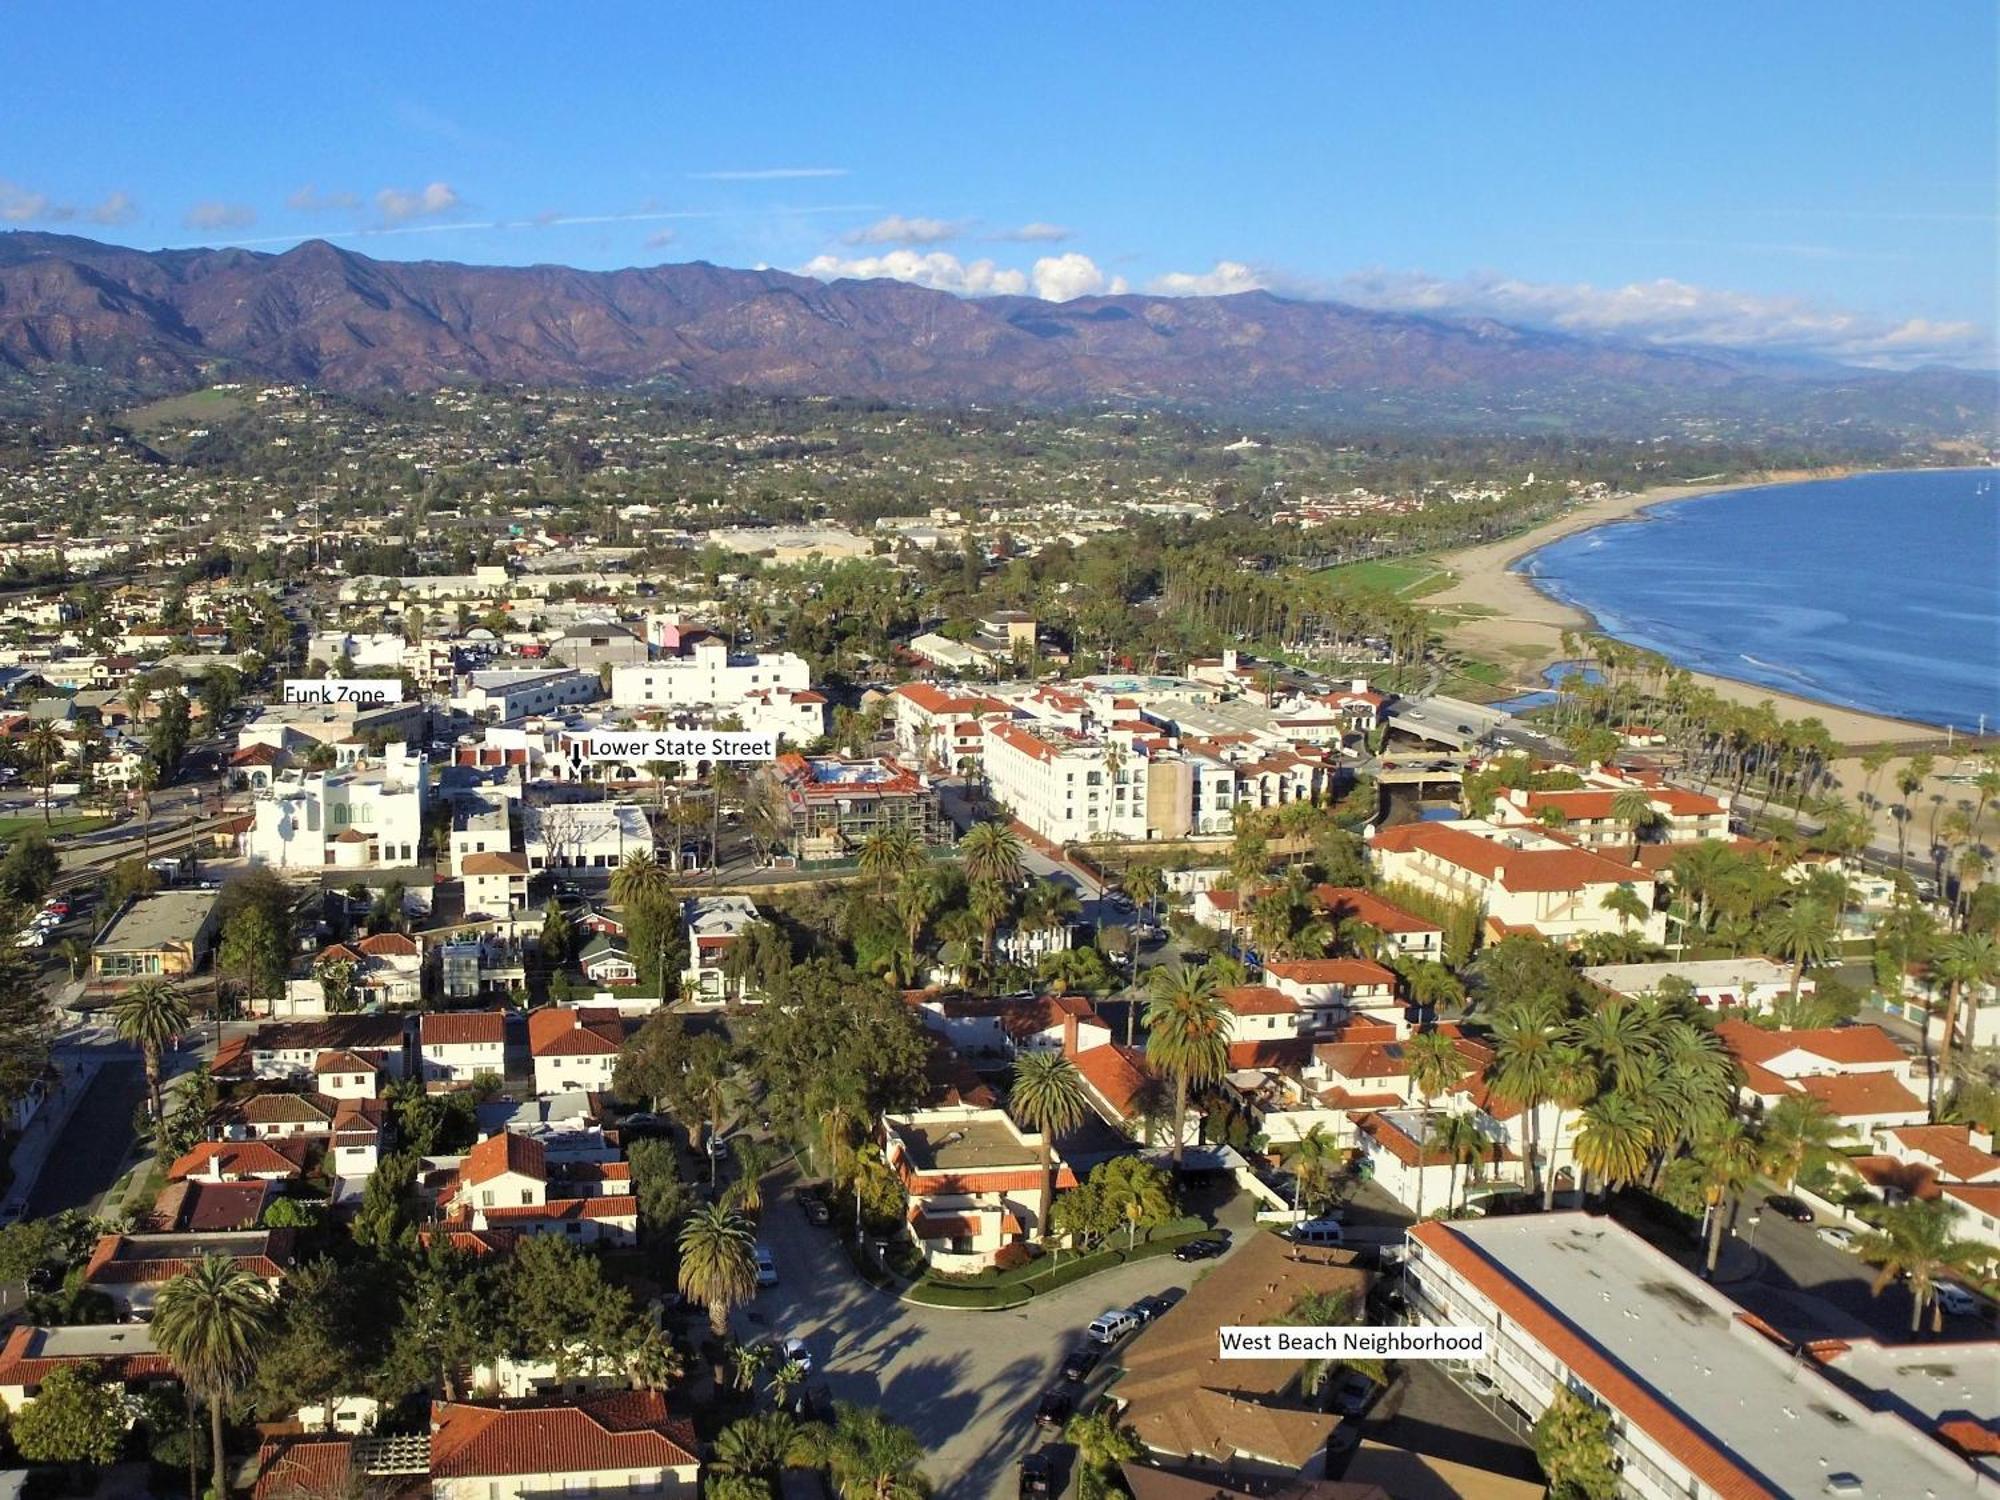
(836, 803)
(1703, 1401)
(701, 671)
(1068, 787)
(501, 695)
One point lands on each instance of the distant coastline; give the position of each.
(1523, 625)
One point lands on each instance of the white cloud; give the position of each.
(659, 239)
(18, 205)
(1037, 233)
(898, 230)
(1667, 312)
(399, 206)
(116, 208)
(1224, 279)
(310, 200)
(212, 214)
(768, 174)
(1058, 278)
(937, 269)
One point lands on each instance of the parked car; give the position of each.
(1082, 1360)
(1789, 1207)
(1110, 1327)
(1317, 1232)
(1956, 1300)
(644, 1123)
(718, 1147)
(1054, 1408)
(791, 1352)
(34, 937)
(56, 905)
(1149, 1308)
(1205, 1248)
(1838, 1237)
(813, 1204)
(1038, 1475)
(767, 1268)
(1351, 1394)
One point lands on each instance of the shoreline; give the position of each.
(1524, 625)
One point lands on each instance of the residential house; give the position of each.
(574, 1048)
(623, 1443)
(973, 1177)
(122, 1353)
(507, 1182)
(1751, 983)
(130, 1269)
(1329, 990)
(1402, 934)
(715, 924)
(1859, 1073)
(455, 1047)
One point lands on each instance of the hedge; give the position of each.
(993, 1291)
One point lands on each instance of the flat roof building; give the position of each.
(166, 934)
(1703, 1400)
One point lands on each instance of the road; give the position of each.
(1807, 1288)
(95, 1141)
(965, 1382)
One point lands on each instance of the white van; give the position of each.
(1113, 1326)
(1318, 1232)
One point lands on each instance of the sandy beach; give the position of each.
(1521, 627)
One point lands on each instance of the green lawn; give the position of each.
(1408, 578)
(195, 406)
(19, 823)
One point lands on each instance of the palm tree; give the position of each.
(1573, 1082)
(1434, 1065)
(1187, 1028)
(1615, 1140)
(1727, 1157)
(1049, 906)
(871, 1458)
(763, 1445)
(1797, 1137)
(1101, 1442)
(888, 853)
(1524, 1046)
(1802, 933)
(917, 895)
(1145, 885)
(45, 748)
(1620, 1037)
(150, 1015)
(1915, 1239)
(1312, 1162)
(992, 855)
(1633, 807)
(746, 1362)
(1460, 1140)
(76, 953)
(210, 1322)
(1048, 1098)
(1965, 960)
(718, 1263)
(1623, 902)
(638, 877)
(991, 904)
(149, 781)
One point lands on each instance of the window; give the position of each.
(527, 1197)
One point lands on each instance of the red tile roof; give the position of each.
(602, 1206)
(1355, 973)
(489, 862)
(1115, 1073)
(343, 1062)
(389, 945)
(554, 1031)
(1950, 1146)
(122, 1259)
(304, 1468)
(509, 1151)
(1512, 869)
(1852, 1045)
(1258, 1000)
(620, 1431)
(285, 1157)
(1853, 1095)
(448, 1029)
(23, 1363)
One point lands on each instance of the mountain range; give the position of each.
(321, 315)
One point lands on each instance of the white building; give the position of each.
(500, 695)
(458, 1046)
(370, 814)
(707, 674)
(1067, 787)
(714, 925)
(1750, 983)
(571, 837)
(1703, 1403)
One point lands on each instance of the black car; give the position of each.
(1038, 1474)
(1082, 1360)
(1206, 1248)
(1056, 1405)
(814, 1207)
(1149, 1308)
(1789, 1207)
(643, 1123)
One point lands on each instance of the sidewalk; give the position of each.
(77, 1071)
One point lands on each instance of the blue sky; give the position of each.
(1813, 177)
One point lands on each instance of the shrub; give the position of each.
(1012, 1257)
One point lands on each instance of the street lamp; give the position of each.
(1750, 1239)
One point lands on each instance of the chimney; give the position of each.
(1980, 1140)
(1069, 1034)
(1229, 659)
(1358, 685)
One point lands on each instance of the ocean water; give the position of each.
(1880, 592)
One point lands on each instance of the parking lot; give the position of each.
(966, 1383)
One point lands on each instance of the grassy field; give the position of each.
(60, 823)
(1407, 578)
(195, 406)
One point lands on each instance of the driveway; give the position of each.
(964, 1382)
